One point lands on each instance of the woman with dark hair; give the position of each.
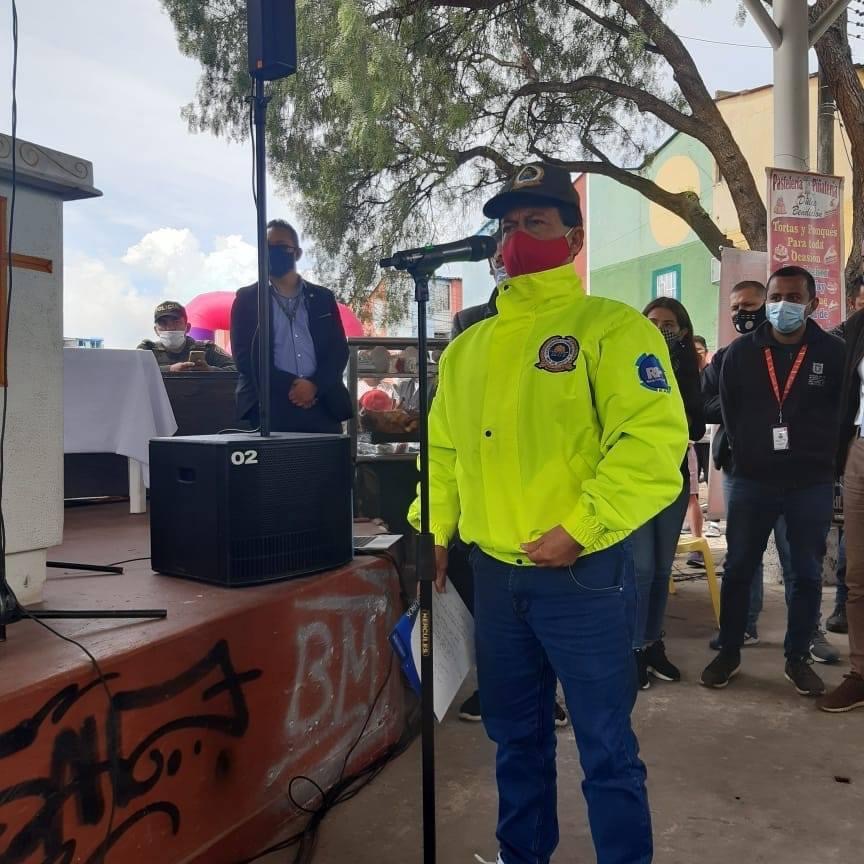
(654, 544)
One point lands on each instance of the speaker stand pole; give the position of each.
(260, 102)
(425, 563)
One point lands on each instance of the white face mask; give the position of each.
(173, 340)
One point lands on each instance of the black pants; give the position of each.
(286, 417)
(459, 572)
(703, 461)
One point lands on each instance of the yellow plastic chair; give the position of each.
(700, 544)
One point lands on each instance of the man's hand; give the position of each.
(186, 366)
(440, 569)
(303, 393)
(556, 548)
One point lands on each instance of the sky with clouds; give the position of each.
(104, 80)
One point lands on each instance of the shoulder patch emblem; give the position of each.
(558, 354)
(651, 374)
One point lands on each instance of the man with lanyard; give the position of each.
(310, 351)
(779, 391)
(556, 431)
(747, 307)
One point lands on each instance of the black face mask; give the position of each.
(747, 322)
(281, 261)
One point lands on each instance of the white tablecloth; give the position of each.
(114, 402)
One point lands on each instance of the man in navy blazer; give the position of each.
(309, 353)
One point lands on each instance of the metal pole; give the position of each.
(829, 16)
(264, 344)
(791, 86)
(426, 575)
(825, 127)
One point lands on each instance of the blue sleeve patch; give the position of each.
(651, 374)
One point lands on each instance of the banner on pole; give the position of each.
(805, 229)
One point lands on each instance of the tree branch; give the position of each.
(412, 6)
(644, 101)
(610, 24)
(685, 205)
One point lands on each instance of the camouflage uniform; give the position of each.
(213, 354)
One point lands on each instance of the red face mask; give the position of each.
(523, 253)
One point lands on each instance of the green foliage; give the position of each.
(375, 137)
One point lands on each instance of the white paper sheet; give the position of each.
(452, 647)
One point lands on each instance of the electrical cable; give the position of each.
(344, 789)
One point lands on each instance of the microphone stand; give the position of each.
(425, 564)
(11, 610)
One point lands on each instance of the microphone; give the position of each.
(476, 248)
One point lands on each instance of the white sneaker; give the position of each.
(713, 530)
(480, 860)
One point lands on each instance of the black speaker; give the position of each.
(242, 510)
(272, 28)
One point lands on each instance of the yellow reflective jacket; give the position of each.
(560, 410)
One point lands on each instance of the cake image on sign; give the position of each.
(780, 207)
(781, 253)
(831, 255)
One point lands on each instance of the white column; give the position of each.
(791, 86)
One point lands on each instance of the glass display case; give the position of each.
(383, 380)
(384, 386)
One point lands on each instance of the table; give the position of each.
(114, 402)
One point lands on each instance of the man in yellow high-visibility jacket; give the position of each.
(556, 430)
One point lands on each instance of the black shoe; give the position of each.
(470, 710)
(806, 681)
(658, 663)
(838, 623)
(749, 639)
(561, 718)
(821, 650)
(642, 669)
(722, 669)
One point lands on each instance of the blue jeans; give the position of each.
(753, 511)
(654, 546)
(842, 589)
(531, 626)
(757, 590)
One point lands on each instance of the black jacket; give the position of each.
(331, 354)
(851, 394)
(712, 412)
(810, 413)
(685, 365)
(466, 318)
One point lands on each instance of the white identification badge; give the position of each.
(781, 438)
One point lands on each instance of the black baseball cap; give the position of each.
(537, 183)
(170, 309)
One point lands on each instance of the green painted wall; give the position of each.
(623, 231)
(631, 282)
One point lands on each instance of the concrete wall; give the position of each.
(751, 118)
(33, 484)
(631, 238)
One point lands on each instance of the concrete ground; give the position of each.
(750, 774)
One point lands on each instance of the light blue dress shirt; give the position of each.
(293, 348)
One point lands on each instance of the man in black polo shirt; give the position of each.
(779, 390)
